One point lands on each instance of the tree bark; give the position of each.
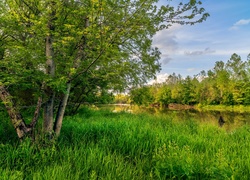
(16, 119)
(48, 114)
(50, 70)
(33, 123)
(36, 113)
(61, 110)
(49, 105)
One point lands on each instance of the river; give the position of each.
(224, 119)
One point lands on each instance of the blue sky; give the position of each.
(187, 50)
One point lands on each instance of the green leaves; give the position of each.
(192, 2)
(226, 84)
(107, 40)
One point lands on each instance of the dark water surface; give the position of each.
(225, 119)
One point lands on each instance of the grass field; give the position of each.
(105, 145)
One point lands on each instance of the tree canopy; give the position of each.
(226, 84)
(51, 47)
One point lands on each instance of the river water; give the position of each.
(224, 119)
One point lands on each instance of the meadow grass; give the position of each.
(233, 108)
(106, 145)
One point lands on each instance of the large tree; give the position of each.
(50, 45)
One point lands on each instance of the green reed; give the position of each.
(105, 145)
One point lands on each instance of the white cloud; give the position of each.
(195, 53)
(241, 22)
(165, 59)
(191, 69)
(159, 78)
(167, 42)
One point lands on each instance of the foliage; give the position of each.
(163, 95)
(122, 99)
(142, 96)
(53, 49)
(226, 84)
(105, 145)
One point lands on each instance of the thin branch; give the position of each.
(36, 113)
(111, 41)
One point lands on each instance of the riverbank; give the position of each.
(236, 108)
(174, 106)
(221, 108)
(97, 144)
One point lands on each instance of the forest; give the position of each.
(58, 57)
(225, 84)
(55, 53)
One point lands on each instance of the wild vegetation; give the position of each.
(106, 145)
(60, 52)
(226, 84)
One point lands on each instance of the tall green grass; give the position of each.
(233, 108)
(105, 145)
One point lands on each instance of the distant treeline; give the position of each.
(226, 84)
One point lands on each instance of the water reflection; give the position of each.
(221, 121)
(225, 119)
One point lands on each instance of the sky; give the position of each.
(187, 50)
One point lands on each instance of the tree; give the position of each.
(236, 67)
(163, 96)
(247, 83)
(238, 73)
(222, 80)
(142, 96)
(184, 92)
(51, 45)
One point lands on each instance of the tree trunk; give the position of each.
(49, 105)
(61, 110)
(48, 115)
(16, 119)
(33, 123)
(50, 70)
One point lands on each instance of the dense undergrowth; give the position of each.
(105, 145)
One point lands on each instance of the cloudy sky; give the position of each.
(187, 50)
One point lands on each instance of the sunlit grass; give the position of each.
(236, 108)
(105, 145)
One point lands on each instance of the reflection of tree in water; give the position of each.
(235, 119)
(226, 119)
(221, 121)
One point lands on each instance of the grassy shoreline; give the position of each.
(106, 145)
(235, 108)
